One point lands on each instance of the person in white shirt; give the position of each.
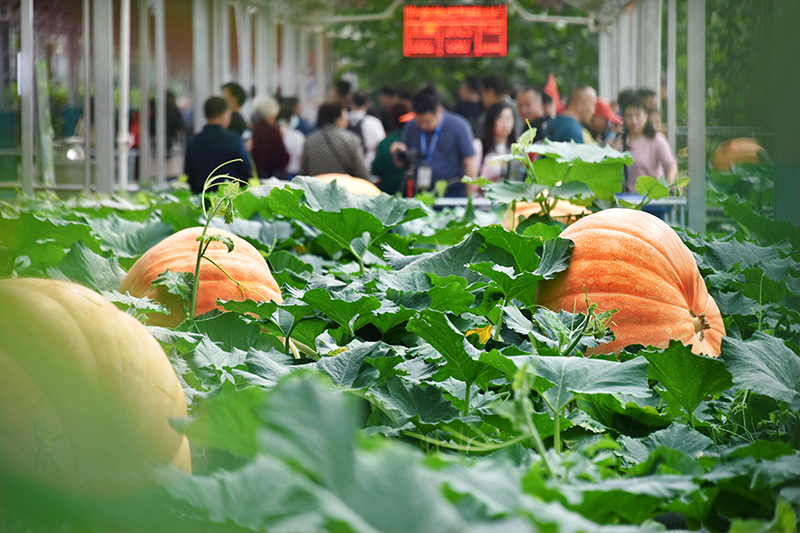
(368, 127)
(293, 138)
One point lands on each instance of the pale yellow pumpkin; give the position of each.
(86, 392)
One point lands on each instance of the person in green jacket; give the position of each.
(391, 176)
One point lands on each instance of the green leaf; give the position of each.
(688, 377)
(755, 225)
(599, 168)
(344, 367)
(676, 437)
(425, 407)
(765, 366)
(44, 242)
(651, 187)
(630, 416)
(128, 238)
(785, 521)
(522, 249)
(520, 286)
(450, 294)
(555, 257)
(413, 276)
(84, 266)
(461, 356)
(132, 305)
(575, 375)
(227, 421)
(339, 215)
(344, 307)
(635, 499)
(509, 191)
(179, 283)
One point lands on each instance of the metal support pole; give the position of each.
(303, 66)
(272, 52)
(288, 60)
(225, 41)
(88, 119)
(216, 45)
(696, 96)
(605, 73)
(244, 37)
(124, 91)
(104, 95)
(201, 70)
(144, 91)
(26, 92)
(262, 53)
(161, 93)
(319, 69)
(672, 54)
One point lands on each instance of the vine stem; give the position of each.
(538, 443)
(467, 395)
(557, 431)
(496, 335)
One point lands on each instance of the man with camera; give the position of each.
(442, 143)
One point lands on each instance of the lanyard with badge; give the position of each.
(425, 171)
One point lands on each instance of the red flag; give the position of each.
(551, 89)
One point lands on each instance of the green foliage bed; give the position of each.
(432, 395)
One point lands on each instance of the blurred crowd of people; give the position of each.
(410, 141)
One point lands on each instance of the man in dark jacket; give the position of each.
(215, 146)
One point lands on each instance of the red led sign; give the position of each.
(455, 31)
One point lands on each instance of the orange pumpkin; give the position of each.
(246, 274)
(635, 263)
(356, 186)
(736, 151)
(563, 212)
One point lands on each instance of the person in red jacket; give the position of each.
(269, 153)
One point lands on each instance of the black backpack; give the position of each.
(356, 128)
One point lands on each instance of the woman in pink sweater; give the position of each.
(649, 148)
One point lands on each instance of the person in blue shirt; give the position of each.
(569, 125)
(443, 141)
(214, 146)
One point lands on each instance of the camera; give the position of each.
(408, 158)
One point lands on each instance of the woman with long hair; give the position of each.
(496, 139)
(649, 148)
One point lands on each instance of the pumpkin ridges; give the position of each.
(635, 263)
(590, 248)
(653, 288)
(246, 276)
(110, 384)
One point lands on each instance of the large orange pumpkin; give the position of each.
(86, 392)
(246, 274)
(356, 186)
(635, 263)
(563, 211)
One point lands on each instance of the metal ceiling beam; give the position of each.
(339, 19)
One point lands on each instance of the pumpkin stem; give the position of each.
(700, 323)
